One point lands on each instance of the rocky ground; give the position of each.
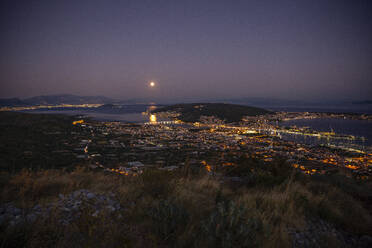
(317, 233)
(69, 207)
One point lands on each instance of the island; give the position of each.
(193, 112)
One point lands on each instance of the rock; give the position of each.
(64, 222)
(2, 219)
(31, 217)
(110, 208)
(15, 211)
(365, 241)
(17, 220)
(90, 196)
(76, 194)
(95, 214)
(75, 207)
(37, 208)
(66, 209)
(102, 198)
(110, 202)
(70, 207)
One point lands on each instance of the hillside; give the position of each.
(271, 207)
(31, 141)
(5, 102)
(67, 99)
(228, 112)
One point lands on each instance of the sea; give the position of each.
(126, 113)
(361, 129)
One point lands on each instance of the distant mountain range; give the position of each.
(11, 102)
(55, 100)
(250, 101)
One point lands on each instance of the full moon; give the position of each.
(152, 84)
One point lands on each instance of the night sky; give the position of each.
(314, 49)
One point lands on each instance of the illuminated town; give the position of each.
(60, 106)
(129, 148)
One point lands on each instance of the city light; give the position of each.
(152, 118)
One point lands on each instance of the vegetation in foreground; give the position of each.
(190, 209)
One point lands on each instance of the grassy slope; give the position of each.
(39, 134)
(163, 209)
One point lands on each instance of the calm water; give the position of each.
(358, 128)
(127, 117)
(126, 113)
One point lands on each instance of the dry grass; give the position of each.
(153, 201)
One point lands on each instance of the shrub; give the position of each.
(259, 174)
(168, 219)
(228, 226)
(156, 183)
